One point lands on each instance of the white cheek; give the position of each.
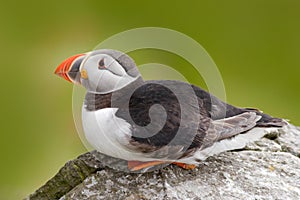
(117, 69)
(104, 81)
(107, 81)
(94, 78)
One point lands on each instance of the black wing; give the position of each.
(175, 118)
(165, 114)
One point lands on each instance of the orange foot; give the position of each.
(138, 165)
(184, 165)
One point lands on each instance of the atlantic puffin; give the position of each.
(146, 124)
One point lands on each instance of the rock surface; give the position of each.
(266, 169)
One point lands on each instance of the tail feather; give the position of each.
(267, 120)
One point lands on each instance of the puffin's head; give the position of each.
(100, 71)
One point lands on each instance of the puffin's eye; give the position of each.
(101, 64)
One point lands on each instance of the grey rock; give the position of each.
(266, 169)
(289, 140)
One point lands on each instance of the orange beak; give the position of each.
(65, 67)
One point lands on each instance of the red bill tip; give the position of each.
(63, 69)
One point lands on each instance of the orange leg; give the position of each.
(138, 165)
(184, 165)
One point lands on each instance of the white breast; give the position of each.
(106, 132)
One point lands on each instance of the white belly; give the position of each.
(106, 132)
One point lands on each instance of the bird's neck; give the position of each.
(116, 99)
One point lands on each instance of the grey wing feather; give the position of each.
(229, 127)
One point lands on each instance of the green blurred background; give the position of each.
(255, 44)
